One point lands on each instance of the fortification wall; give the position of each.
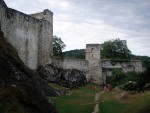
(126, 66)
(31, 37)
(69, 63)
(45, 15)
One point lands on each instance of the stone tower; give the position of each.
(93, 55)
(30, 35)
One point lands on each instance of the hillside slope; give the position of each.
(20, 90)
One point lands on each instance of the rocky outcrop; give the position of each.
(71, 78)
(21, 90)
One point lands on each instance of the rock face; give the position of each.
(21, 90)
(71, 78)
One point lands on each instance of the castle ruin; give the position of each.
(32, 36)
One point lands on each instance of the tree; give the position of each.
(58, 46)
(115, 49)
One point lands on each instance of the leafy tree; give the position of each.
(58, 46)
(115, 49)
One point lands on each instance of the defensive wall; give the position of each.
(32, 36)
(97, 71)
(69, 63)
(29, 34)
(126, 65)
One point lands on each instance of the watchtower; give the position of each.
(93, 57)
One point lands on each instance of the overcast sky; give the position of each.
(79, 22)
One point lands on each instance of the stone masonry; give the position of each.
(94, 72)
(31, 35)
(97, 69)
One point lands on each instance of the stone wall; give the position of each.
(126, 66)
(31, 37)
(69, 63)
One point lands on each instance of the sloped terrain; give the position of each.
(21, 91)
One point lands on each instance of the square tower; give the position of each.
(94, 73)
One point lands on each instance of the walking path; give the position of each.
(97, 96)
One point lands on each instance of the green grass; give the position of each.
(55, 86)
(109, 104)
(138, 104)
(80, 100)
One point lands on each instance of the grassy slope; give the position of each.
(139, 104)
(80, 101)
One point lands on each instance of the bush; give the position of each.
(130, 86)
(117, 77)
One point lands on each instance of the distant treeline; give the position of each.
(80, 54)
(77, 53)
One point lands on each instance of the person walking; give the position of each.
(94, 88)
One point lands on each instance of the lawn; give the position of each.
(139, 103)
(80, 100)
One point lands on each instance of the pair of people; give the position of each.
(107, 87)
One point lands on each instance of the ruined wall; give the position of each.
(69, 63)
(31, 37)
(126, 66)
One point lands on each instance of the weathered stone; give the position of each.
(31, 37)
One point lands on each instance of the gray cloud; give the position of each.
(94, 21)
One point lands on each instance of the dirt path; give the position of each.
(96, 108)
